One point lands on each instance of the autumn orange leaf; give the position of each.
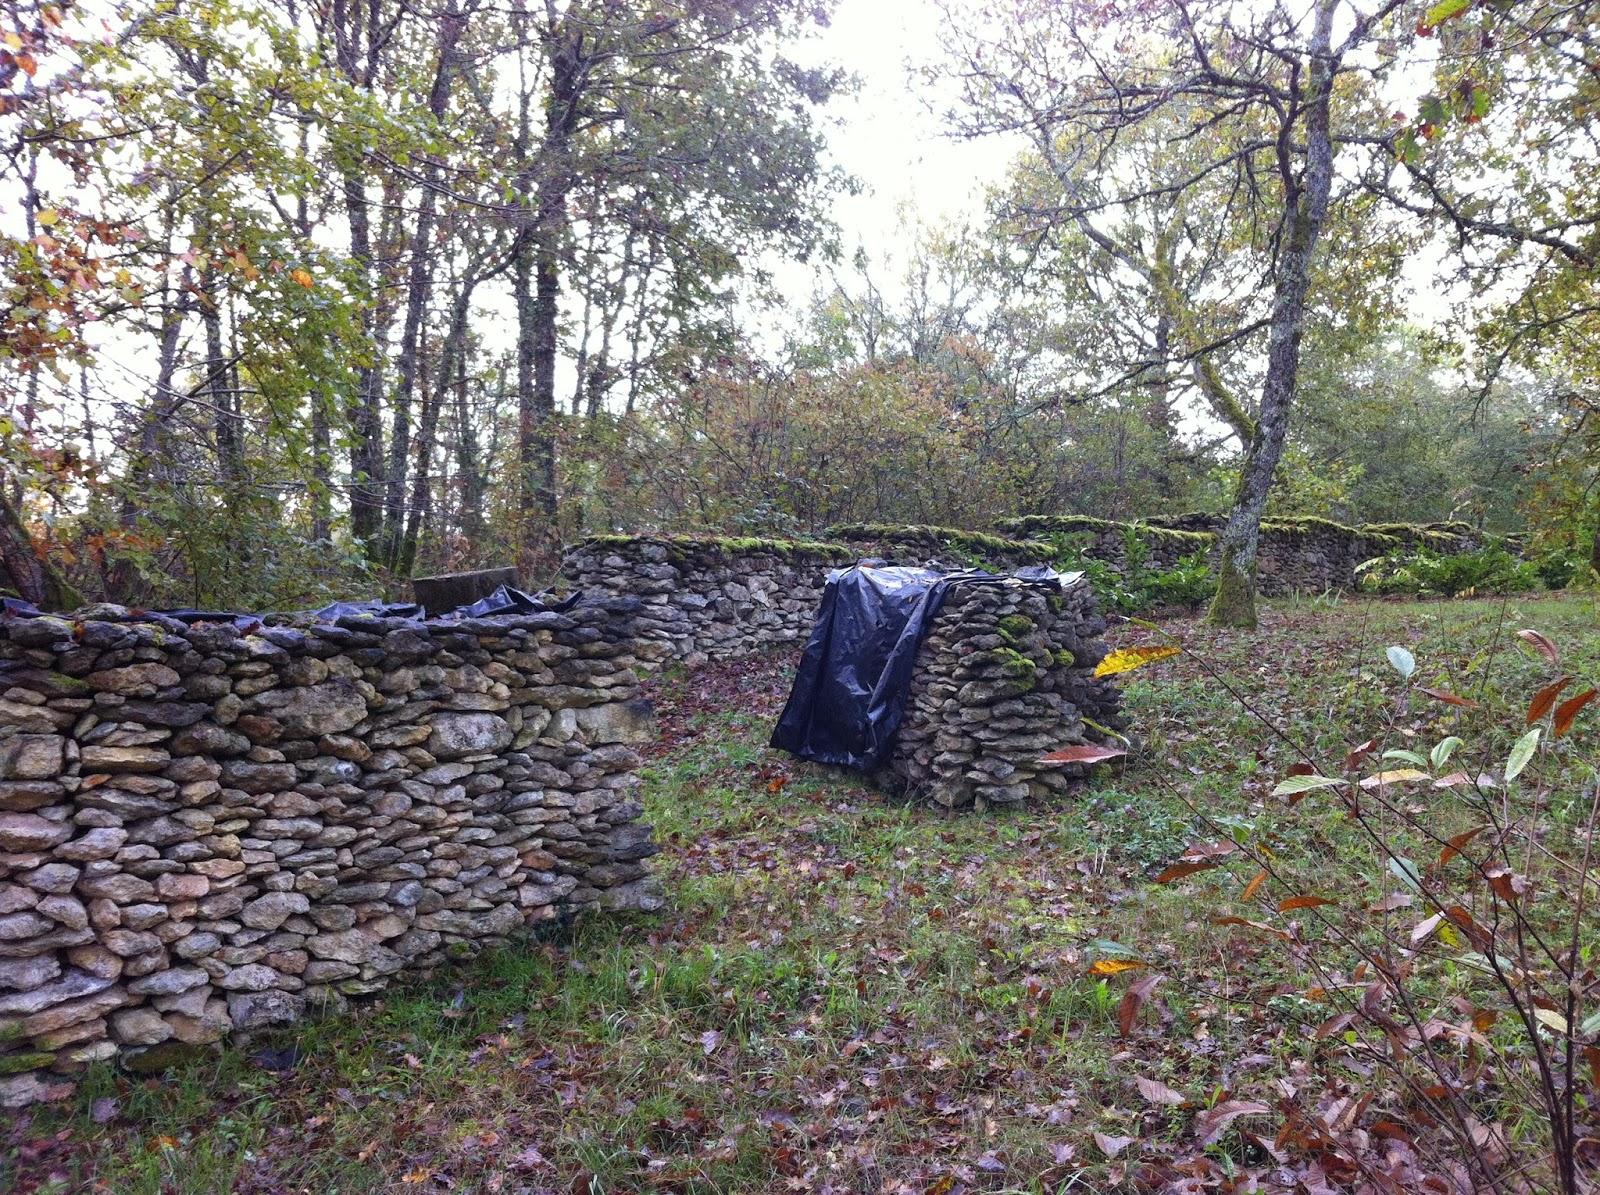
(1253, 886)
(1083, 753)
(1178, 870)
(1568, 710)
(1291, 903)
(1449, 698)
(1545, 698)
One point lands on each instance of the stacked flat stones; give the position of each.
(1005, 675)
(1292, 555)
(709, 599)
(952, 549)
(206, 829)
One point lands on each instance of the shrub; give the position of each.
(1424, 572)
(1440, 960)
(1135, 587)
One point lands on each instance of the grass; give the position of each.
(846, 994)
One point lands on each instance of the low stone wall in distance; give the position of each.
(918, 545)
(704, 598)
(206, 829)
(1005, 675)
(1301, 555)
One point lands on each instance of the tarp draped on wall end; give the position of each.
(851, 686)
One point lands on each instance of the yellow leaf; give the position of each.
(1115, 966)
(1126, 659)
(48, 217)
(1551, 1018)
(1397, 776)
(13, 40)
(303, 277)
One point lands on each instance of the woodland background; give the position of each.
(300, 299)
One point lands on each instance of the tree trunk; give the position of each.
(538, 282)
(450, 351)
(366, 421)
(419, 286)
(31, 574)
(1307, 202)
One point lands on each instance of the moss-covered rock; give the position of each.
(1014, 626)
(15, 1064)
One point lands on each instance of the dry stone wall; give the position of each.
(1005, 675)
(207, 829)
(1304, 555)
(917, 545)
(712, 599)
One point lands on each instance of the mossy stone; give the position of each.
(15, 1064)
(1014, 627)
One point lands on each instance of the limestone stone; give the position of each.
(456, 734)
(273, 909)
(134, 680)
(30, 832)
(124, 759)
(32, 756)
(139, 1027)
(311, 711)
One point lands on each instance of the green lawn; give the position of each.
(847, 995)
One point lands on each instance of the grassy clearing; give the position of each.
(848, 995)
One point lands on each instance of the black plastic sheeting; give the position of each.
(504, 600)
(507, 600)
(850, 689)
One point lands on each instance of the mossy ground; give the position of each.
(851, 994)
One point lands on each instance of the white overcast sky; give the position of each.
(891, 137)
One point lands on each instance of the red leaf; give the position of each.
(1542, 644)
(1568, 710)
(1083, 753)
(1449, 698)
(1545, 698)
(1453, 848)
(1178, 870)
(1133, 1000)
(1302, 902)
(1352, 761)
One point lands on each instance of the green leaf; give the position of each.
(1408, 756)
(1441, 754)
(1402, 661)
(1290, 785)
(1406, 872)
(1444, 10)
(1522, 753)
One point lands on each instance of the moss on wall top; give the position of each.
(1055, 524)
(976, 542)
(724, 545)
